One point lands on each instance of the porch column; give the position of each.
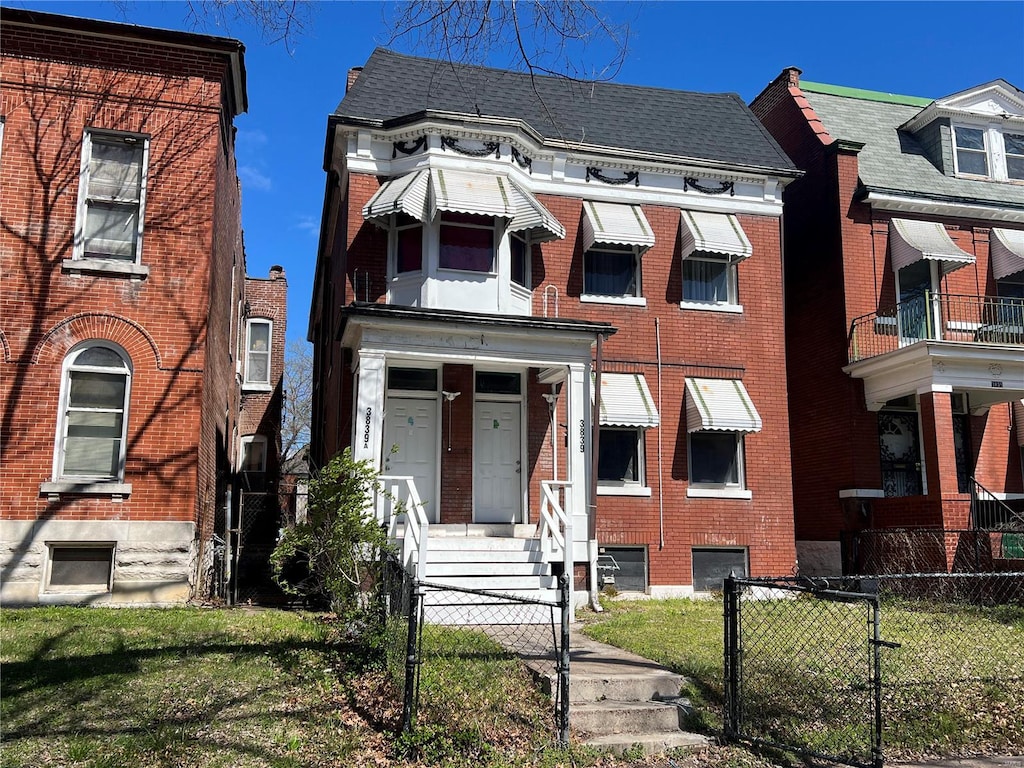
(368, 424)
(939, 451)
(578, 454)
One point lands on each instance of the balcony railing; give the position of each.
(938, 317)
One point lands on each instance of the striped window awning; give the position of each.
(424, 193)
(615, 224)
(715, 233)
(720, 405)
(910, 241)
(626, 401)
(1007, 249)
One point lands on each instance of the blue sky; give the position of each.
(928, 49)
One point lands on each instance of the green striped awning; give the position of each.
(720, 405)
(626, 401)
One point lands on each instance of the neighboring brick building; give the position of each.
(134, 361)
(489, 240)
(905, 309)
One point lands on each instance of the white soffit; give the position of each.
(615, 224)
(721, 405)
(1007, 249)
(626, 401)
(910, 241)
(719, 233)
(406, 194)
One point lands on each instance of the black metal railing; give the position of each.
(989, 513)
(937, 317)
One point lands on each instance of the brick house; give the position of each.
(905, 310)
(496, 253)
(140, 368)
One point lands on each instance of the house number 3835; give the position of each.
(583, 437)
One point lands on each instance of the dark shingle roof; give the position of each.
(700, 126)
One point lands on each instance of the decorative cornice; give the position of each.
(452, 143)
(721, 189)
(597, 173)
(408, 147)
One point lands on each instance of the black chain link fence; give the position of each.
(854, 668)
(928, 550)
(447, 646)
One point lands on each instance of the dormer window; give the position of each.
(989, 152)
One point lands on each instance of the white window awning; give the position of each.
(423, 193)
(716, 233)
(1006, 247)
(615, 224)
(910, 241)
(406, 194)
(626, 401)
(720, 405)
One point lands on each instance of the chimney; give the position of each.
(353, 75)
(277, 272)
(792, 75)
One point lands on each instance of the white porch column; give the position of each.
(578, 454)
(368, 424)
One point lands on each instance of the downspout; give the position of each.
(595, 431)
(661, 463)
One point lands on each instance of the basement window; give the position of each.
(712, 565)
(80, 567)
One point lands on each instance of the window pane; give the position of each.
(618, 460)
(1015, 167)
(1014, 143)
(417, 379)
(258, 368)
(609, 273)
(97, 390)
(970, 138)
(705, 280)
(115, 171)
(519, 253)
(712, 566)
(100, 357)
(713, 458)
(259, 337)
(93, 444)
(111, 230)
(972, 162)
(490, 383)
(255, 459)
(466, 248)
(80, 566)
(409, 254)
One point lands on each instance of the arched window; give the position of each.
(94, 413)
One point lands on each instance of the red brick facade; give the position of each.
(174, 313)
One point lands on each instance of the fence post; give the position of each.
(731, 660)
(876, 646)
(411, 661)
(563, 661)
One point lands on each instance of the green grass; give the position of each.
(954, 686)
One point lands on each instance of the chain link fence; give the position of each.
(446, 646)
(928, 550)
(850, 669)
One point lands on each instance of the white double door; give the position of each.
(412, 439)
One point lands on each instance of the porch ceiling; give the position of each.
(989, 373)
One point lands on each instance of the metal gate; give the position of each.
(802, 669)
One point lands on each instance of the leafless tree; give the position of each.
(566, 38)
(298, 399)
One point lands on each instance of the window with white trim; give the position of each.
(406, 245)
(621, 457)
(257, 352)
(80, 567)
(93, 422)
(988, 152)
(716, 460)
(612, 271)
(111, 197)
(253, 462)
(519, 249)
(710, 279)
(466, 242)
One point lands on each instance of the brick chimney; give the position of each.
(792, 75)
(277, 272)
(353, 75)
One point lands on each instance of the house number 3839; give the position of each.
(366, 428)
(583, 437)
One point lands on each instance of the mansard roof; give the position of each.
(394, 89)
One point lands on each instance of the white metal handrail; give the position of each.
(555, 523)
(397, 497)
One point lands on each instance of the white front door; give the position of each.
(410, 428)
(497, 464)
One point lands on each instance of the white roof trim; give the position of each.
(720, 405)
(615, 224)
(1007, 249)
(406, 194)
(714, 233)
(626, 401)
(911, 240)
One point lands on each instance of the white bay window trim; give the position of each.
(258, 358)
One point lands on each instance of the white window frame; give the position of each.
(67, 369)
(731, 303)
(65, 589)
(636, 487)
(248, 383)
(737, 490)
(393, 231)
(635, 299)
(995, 151)
(99, 264)
(245, 442)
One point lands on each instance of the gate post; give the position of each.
(565, 596)
(732, 657)
(411, 660)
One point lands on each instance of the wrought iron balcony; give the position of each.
(938, 317)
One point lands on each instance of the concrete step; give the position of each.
(484, 555)
(452, 613)
(510, 583)
(650, 743)
(439, 570)
(635, 686)
(600, 718)
(480, 544)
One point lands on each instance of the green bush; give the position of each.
(335, 554)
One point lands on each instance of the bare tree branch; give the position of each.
(298, 401)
